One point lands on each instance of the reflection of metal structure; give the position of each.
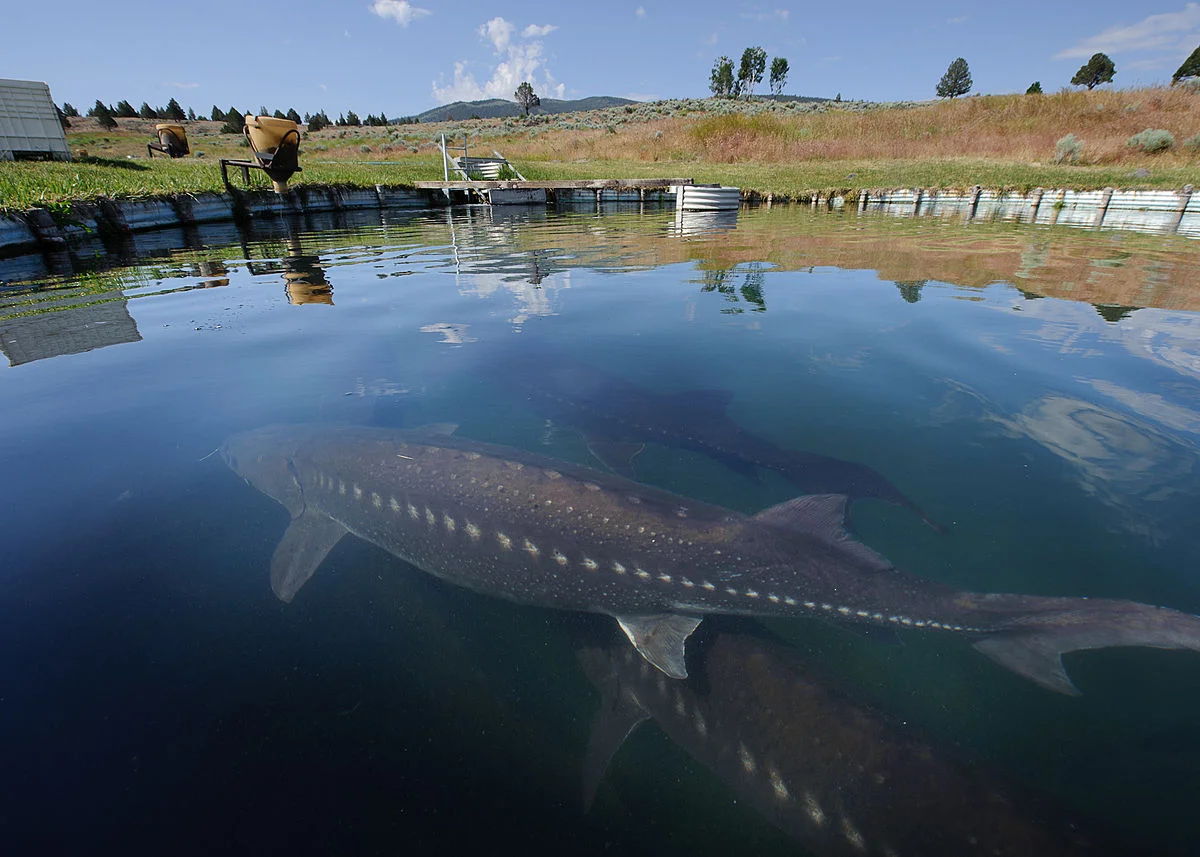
(172, 141)
(707, 197)
(276, 147)
(54, 326)
(693, 223)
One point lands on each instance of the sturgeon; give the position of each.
(841, 779)
(546, 532)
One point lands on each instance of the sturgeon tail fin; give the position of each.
(1033, 646)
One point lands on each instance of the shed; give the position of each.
(29, 123)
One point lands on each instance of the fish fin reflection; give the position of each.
(308, 540)
(660, 639)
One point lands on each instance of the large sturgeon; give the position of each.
(838, 777)
(541, 531)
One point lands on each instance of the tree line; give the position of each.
(107, 115)
(1097, 70)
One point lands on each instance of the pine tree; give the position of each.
(1099, 69)
(147, 112)
(217, 115)
(293, 115)
(125, 110)
(173, 111)
(234, 121)
(1035, 88)
(956, 81)
(1190, 68)
(69, 110)
(103, 115)
(352, 119)
(526, 97)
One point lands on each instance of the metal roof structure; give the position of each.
(29, 123)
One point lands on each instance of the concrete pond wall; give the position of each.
(41, 230)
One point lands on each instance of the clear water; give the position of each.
(1036, 391)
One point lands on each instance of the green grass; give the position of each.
(28, 184)
(51, 184)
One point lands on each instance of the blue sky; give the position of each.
(406, 56)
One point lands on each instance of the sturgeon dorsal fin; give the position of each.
(822, 516)
(308, 540)
(660, 638)
(618, 716)
(819, 514)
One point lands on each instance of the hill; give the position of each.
(496, 108)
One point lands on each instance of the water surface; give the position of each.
(1034, 390)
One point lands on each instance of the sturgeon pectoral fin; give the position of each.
(308, 540)
(660, 639)
(1035, 656)
(618, 716)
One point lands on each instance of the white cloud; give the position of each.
(961, 19)
(711, 40)
(403, 12)
(1169, 32)
(177, 85)
(767, 16)
(520, 61)
(499, 32)
(641, 12)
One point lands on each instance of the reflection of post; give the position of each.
(1185, 196)
(214, 273)
(306, 283)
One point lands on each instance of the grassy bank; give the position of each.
(785, 149)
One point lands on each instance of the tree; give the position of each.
(317, 121)
(526, 97)
(217, 115)
(721, 79)
(191, 115)
(956, 81)
(234, 121)
(1035, 88)
(125, 110)
(279, 114)
(1099, 69)
(62, 118)
(147, 112)
(69, 109)
(750, 72)
(103, 115)
(352, 119)
(293, 115)
(1190, 68)
(779, 73)
(174, 111)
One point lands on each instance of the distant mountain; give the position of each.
(492, 108)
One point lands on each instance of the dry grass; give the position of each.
(1008, 128)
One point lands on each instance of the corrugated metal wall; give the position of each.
(29, 125)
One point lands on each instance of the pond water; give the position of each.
(1033, 392)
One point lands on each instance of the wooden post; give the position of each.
(862, 200)
(916, 201)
